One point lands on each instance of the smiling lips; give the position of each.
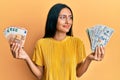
(66, 26)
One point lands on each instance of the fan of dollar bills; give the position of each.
(15, 34)
(99, 35)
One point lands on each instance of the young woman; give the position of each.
(59, 55)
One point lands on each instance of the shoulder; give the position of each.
(76, 39)
(43, 41)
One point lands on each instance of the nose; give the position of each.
(66, 21)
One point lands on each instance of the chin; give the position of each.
(66, 31)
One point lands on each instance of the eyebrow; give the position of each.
(64, 15)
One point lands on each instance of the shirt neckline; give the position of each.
(57, 41)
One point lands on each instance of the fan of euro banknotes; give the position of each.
(99, 35)
(15, 34)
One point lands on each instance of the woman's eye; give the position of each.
(62, 17)
(70, 17)
(65, 17)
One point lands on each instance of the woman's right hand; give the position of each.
(17, 51)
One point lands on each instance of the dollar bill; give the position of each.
(90, 32)
(100, 35)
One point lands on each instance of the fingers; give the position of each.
(102, 52)
(15, 48)
(99, 53)
(95, 56)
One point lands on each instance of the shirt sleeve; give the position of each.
(81, 54)
(38, 55)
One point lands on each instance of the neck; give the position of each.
(59, 36)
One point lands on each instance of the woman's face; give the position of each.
(65, 21)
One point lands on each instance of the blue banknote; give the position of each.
(99, 35)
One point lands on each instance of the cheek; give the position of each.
(58, 26)
(70, 22)
(60, 23)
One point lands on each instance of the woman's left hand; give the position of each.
(98, 54)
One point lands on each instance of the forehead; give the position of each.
(65, 11)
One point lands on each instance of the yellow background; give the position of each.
(31, 14)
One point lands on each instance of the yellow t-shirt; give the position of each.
(59, 58)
